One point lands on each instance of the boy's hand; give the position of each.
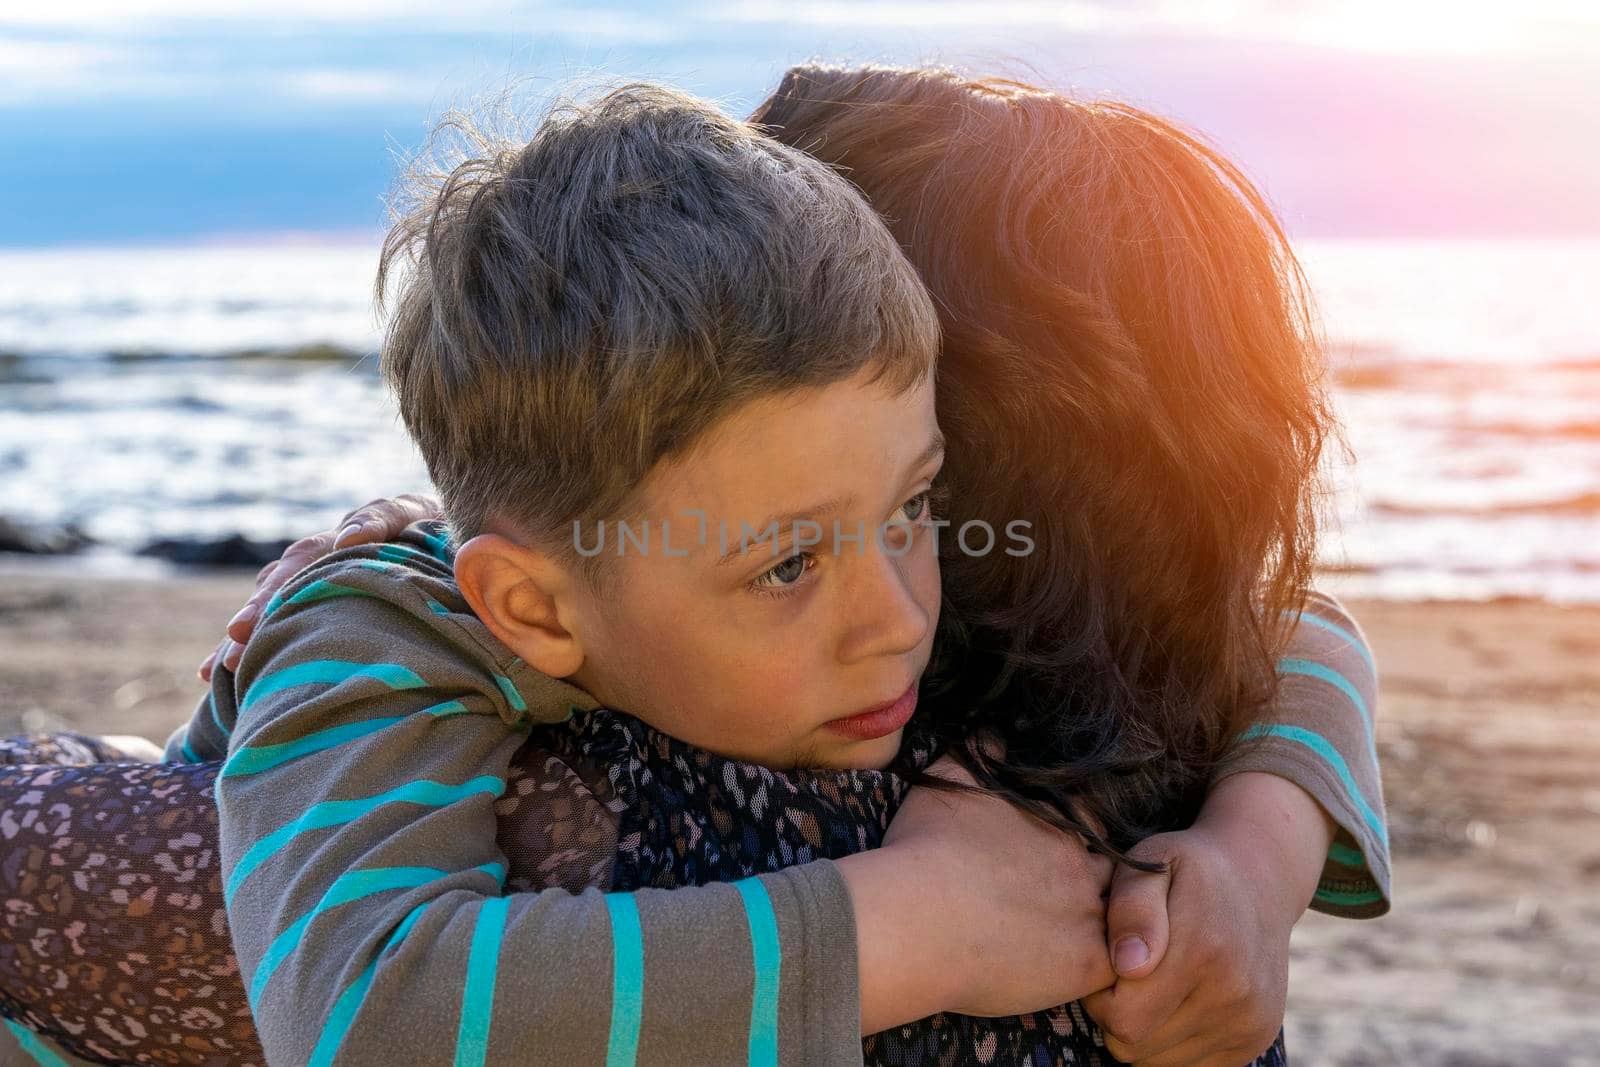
(1211, 991)
(975, 907)
(377, 521)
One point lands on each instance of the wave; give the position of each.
(1578, 504)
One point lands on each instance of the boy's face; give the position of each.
(753, 657)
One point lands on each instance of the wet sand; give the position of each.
(1489, 733)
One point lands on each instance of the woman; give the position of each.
(1126, 336)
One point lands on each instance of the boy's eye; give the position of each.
(782, 579)
(916, 508)
(925, 504)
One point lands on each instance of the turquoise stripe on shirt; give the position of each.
(1350, 857)
(627, 976)
(255, 759)
(1347, 900)
(331, 672)
(338, 812)
(1330, 755)
(346, 889)
(1309, 669)
(216, 720)
(343, 1015)
(398, 553)
(1339, 631)
(510, 691)
(627, 980)
(321, 589)
(767, 956)
(36, 1049)
(477, 996)
(440, 544)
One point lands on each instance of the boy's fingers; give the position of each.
(230, 658)
(1102, 870)
(1165, 1037)
(1140, 1017)
(1136, 921)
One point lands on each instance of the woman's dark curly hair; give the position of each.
(1130, 364)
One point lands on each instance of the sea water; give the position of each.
(200, 391)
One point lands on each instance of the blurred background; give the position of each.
(193, 200)
(191, 197)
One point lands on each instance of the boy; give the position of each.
(648, 313)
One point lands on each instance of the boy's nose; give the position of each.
(886, 616)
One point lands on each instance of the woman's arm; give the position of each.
(113, 941)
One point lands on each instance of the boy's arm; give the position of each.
(364, 885)
(1294, 817)
(1318, 734)
(202, 739)
(20, 1045)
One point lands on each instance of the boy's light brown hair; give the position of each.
(583, 305)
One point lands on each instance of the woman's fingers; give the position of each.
(295, 558)
(383, 520)
(378, 520)
(210, 661)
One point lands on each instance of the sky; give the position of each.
(177, 121)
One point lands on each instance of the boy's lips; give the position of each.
(879, 721)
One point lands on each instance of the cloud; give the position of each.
(335, 84)
(46, 65)
(1423, 27)
(588, 21)
(103, 14)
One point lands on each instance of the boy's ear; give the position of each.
(524, 598)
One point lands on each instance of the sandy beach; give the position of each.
(1489, 733)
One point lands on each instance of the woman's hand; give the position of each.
(378, 521)
(1208, 986)
(974, 906)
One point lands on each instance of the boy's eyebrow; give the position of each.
(830, 506)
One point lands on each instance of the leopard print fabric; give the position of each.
(690, 817)
(113, 938)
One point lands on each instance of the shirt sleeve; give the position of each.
(197, 740)
(20, 1045)
(1318, 733)
(368, 740)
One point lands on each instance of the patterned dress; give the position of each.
(113, 936)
